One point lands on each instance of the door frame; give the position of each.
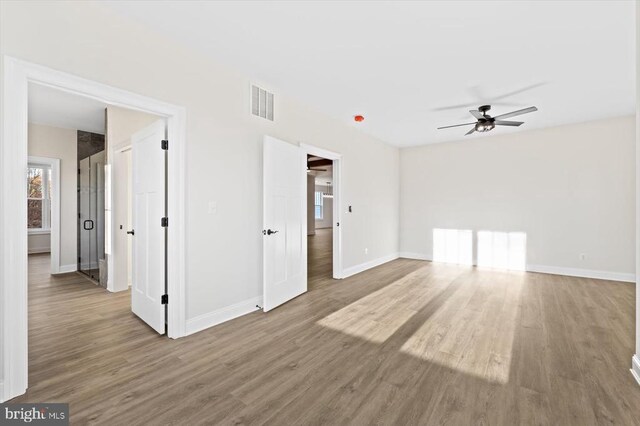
(337, 200)
(13, 208)
(116, 259)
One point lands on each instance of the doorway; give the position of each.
(320, 221)
(17, 77)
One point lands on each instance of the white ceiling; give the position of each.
(403, 64)
(54, 107)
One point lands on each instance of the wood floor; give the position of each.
(409, 342)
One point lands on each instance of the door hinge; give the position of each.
(164, 222)
(164, 299)
(164, 144)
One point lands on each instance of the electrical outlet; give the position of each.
(366, 251)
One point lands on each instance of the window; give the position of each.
(38, 198)
(318, 204)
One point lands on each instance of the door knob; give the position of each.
(131, 232)
(269, 232)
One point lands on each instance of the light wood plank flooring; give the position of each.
(320, 258)
(409, 342)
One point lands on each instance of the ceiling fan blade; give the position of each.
(470, 131)
(514, 113)
(477, 114)
(507, 123)
(457, 125)
(515, 92)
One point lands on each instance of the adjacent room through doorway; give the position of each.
(319, 220)
(80, 204)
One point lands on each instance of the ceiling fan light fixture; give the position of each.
(486, 123)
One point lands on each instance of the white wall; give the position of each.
(570, 188)
(327, 211)
(224, 142)
(39, 243)
(55, 142)
(121, 125)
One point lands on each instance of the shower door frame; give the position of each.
(96, 224)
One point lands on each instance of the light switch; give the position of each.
(213, 207)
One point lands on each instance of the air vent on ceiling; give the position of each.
(261, 103)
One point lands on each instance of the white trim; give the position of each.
(34, 231)
(116, 161)
(554, 270)
(582, 273)
(416, 256)
(65, 269)
(39, 250)
(219, 316)
(337, 201)
(635, 368)
(13, 226)
(368, 265)
(13, 218)
(54, 163)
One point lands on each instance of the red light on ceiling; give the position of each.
(359, 118)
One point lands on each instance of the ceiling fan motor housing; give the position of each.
(485, 125)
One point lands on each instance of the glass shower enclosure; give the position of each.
(91, 225)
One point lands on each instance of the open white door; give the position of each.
(149, 236)
(284, 249)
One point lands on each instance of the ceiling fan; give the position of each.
(486, 123)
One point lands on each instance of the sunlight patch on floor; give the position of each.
(473, 332)
(379, 315)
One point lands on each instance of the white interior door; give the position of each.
(284, 231)
(149, 238)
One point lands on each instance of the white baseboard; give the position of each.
(416, 256)
(219, 316)
(352, 270)
(583, 273)
(555, 270)
(635, 367)
(65, 269)
(38, 250)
